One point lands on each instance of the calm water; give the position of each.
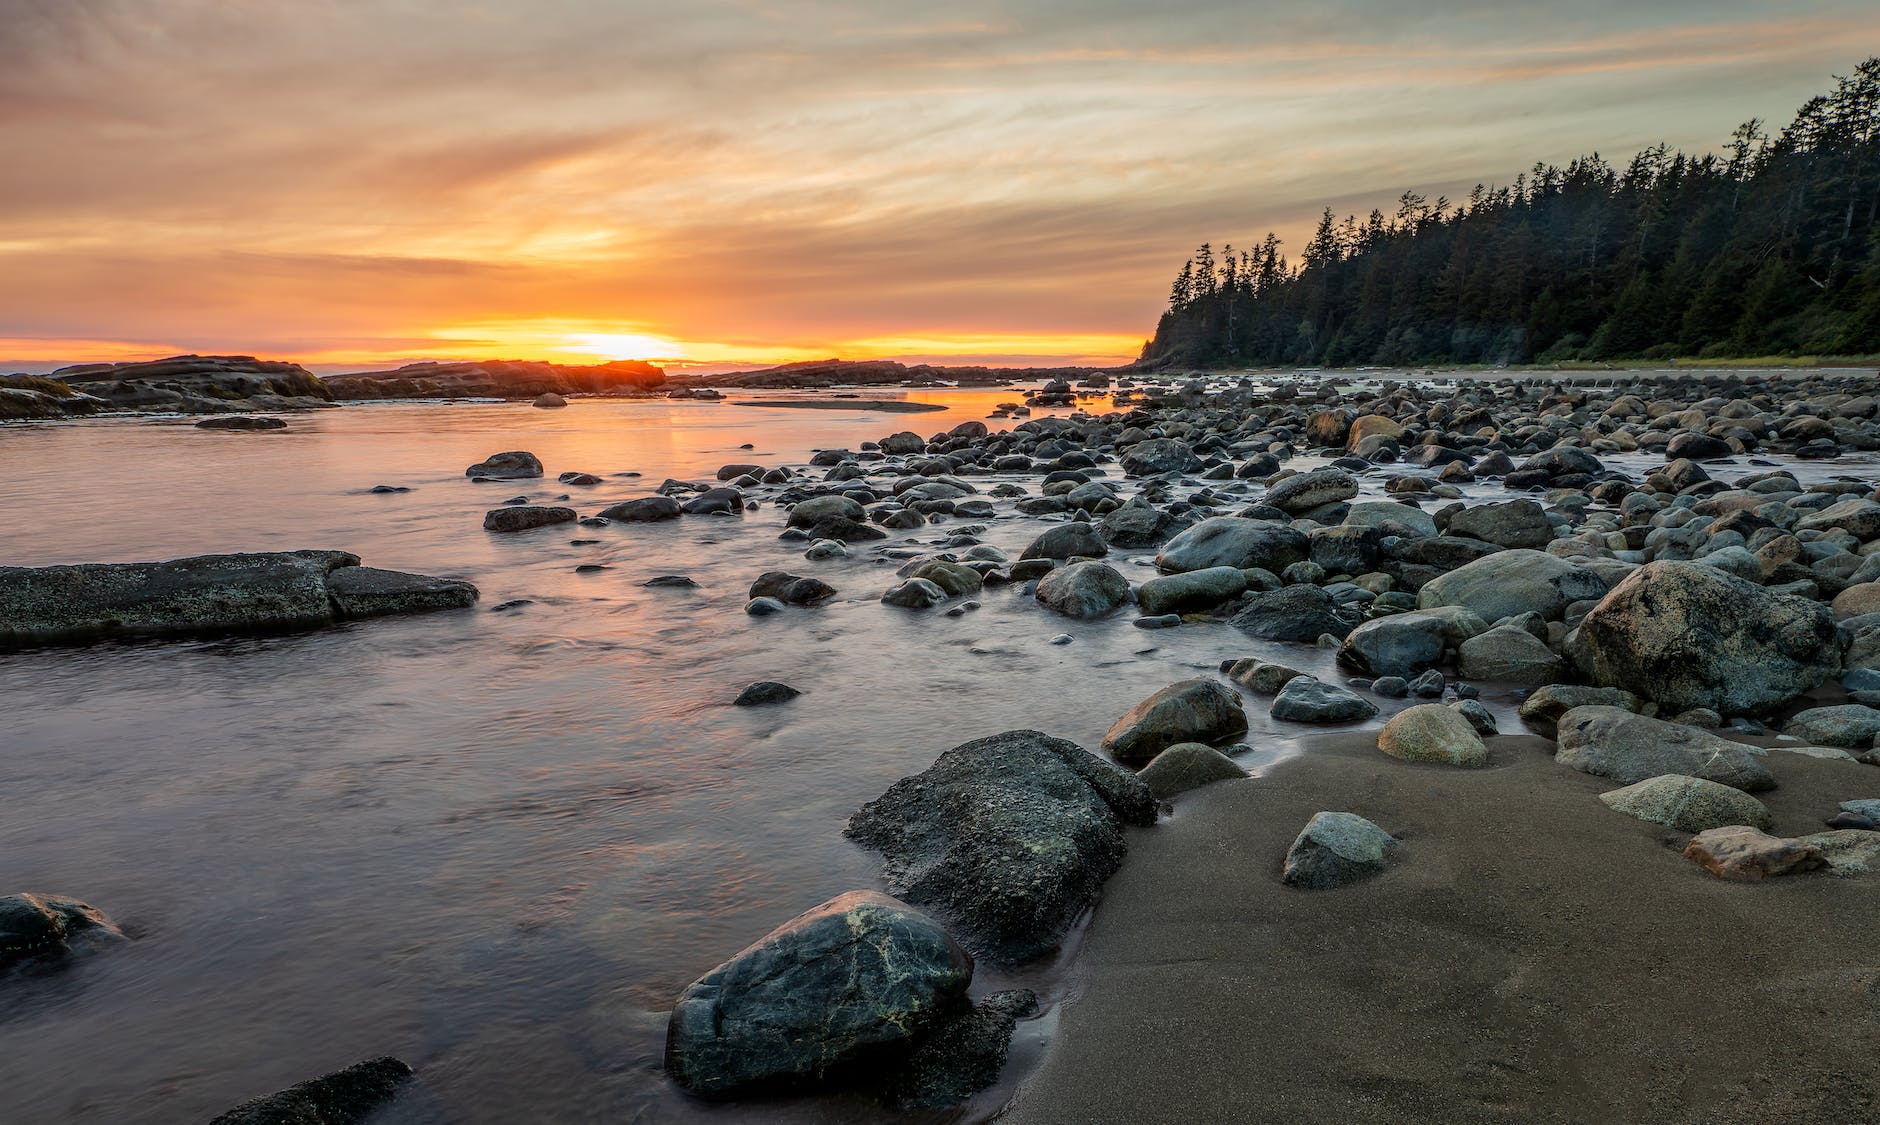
(496, 845)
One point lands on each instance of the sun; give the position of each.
(620, 345)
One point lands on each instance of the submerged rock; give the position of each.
(1686, 636)
(207, 595)
(525, 517)
(344, 1097)
(248, 422)
(518, 464)
(38, 925)
(1198, 710)
(831, 986)
(765, 692)
(1336, 848)
(1009, 836)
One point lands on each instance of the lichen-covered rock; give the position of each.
(1628, 748)
(856, 974)
(1008, 836)
(207, 595)
(1336, 848)
(1849, 726)
(1743, 854)
(1197, 710)
(1687, 635)
(1431, 732)
(1083, 590)
(1185, 766)
(344, 1097)
(1688, 804)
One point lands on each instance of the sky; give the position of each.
(712, 183)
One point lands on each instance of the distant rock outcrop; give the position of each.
(879, 372)
(517, 379)
(187, 384)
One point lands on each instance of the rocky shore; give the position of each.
(1432, 914)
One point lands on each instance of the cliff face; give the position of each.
(496, 379)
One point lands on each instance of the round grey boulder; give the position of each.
(1688, 804)
(1197, 710)
(1083, 590)
(1185, 766)
(1336, 848)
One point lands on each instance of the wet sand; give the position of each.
(1530, 956)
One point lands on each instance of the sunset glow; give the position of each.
(737, 184)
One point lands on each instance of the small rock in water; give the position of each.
(1390, 687)
(248, 422)
(765, 691)
(582, 542)
(591, 568)
(1480, 717)
(386, 489)
(674, 580)
(764, 607)
(1305, 699)
(525, 518)
(516, 465)
(341, 1098)
(505, 607)
(36, 925)
(1163, 621)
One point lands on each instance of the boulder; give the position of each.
(1549, 703)
(516, 465)
(1010, 836)
(1292, 613)
(833, 986)
(1431, 732)
(1849, 726)
(1687, 636)
(1244, 544)
(647, 509)
(1159, 455)
(1390, 517)
(791, 589)
(525, 517)
(1743, 854)
(1306, 491)
(1185, 766)
(344, 1097)
(915, 593)
(1509, 654)
(1515, 523)
(1336, 848)
(1138, 524)
(1628, 748)
(956, 580)
(1402, 644)
(1306, 700)
(1067, 540)
(549, 400)
(816, 509)
(961, 1056)
(1083, 590)
(251, 423)
(1687, 804)
(1197, 710)
(1259, 675)
(207, 595)
(1511, 583)
(1191, 590)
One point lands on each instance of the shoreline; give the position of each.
(1529, 956)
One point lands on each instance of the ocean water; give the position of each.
(494, 844)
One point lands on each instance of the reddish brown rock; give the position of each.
(1746, 855)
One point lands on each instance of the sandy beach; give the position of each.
(1529, 956)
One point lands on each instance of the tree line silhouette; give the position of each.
(1770, 247)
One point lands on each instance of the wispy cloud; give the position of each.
(252, 175)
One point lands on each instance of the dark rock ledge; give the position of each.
(209, 595)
